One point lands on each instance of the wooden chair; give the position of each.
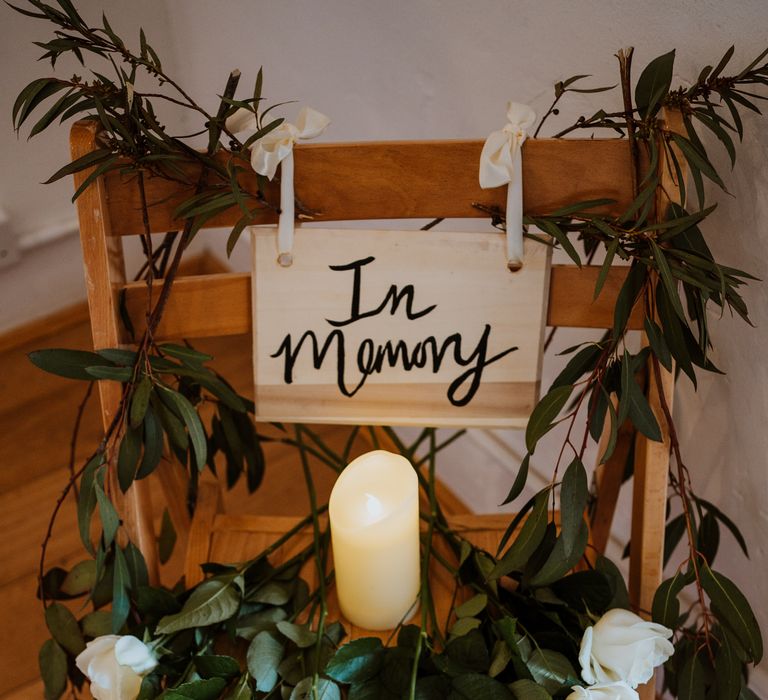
(357, 181)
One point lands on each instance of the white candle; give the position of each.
(374, 515)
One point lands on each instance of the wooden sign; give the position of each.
(397, 328)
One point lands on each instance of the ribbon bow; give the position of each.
(274, 148)
(501, 163)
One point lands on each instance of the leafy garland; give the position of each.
(519, 639)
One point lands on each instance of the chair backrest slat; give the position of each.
(399, 180)
(216, 305)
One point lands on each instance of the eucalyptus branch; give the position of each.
(625, 66)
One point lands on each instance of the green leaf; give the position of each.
(210, 666)
(673, 328)
(324, 690)
(33, 95)
(214, 600)
(115, 374)
(653, 84)
(690, 680)
(53, 668)
(543, 415)
(673, 533)
(519, 484)
(708, 537)
(697, 160)
(86, 502)
(208, 689)
(657, 342)
(167, 539)
(627, 297)
(500, 658)
(526, 689)
(272, 593)
(356, 661)
(264, 655)
(87, 161)
(551, 670)
(613, 430)
(666, 277)
(64, 628)
(527, 541)
(606, 266)
(464, 626)
(121, 604)
(666, 606)
(560, 562)
(582, 362)
(65, 363)
(728, 665)
(153, 444)
(187, 355)
(582, 206)
(733, 611)
(573, 501)
(641, 204)
(103, 167)
(81, 579)
(137, 567)
(109, 518)
(194, 426)
(97, 623)
(634, 404)
(725, 520)
(561, 237)
(474, 606)
(586, 591)
(140, 401)
(128, 458)
(248, 626)
(300, 635)
(467, 654)
(475, 685)
(61, 105)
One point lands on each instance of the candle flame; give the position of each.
(374, 507)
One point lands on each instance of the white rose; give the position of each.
(604, 691)
(115, 666)
(623, 647)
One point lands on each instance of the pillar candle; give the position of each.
(374, 516)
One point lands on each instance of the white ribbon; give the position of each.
(274, 148)
(501, 163)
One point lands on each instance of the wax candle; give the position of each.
(374, 515)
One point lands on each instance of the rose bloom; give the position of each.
(115, 666)
(604, 691)
(623, 647)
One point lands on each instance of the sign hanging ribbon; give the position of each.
(274, 148)
(501, 163)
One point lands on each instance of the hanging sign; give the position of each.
(397, 328)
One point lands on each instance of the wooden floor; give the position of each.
(36, 415)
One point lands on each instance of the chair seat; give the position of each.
(225, 539)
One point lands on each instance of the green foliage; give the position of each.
(513, 639)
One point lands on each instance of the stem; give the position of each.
(319, 558)
(75, 434)
(681, 476)
(425, 596)
(625, 69)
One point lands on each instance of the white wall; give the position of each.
(50, 277)
(443, 69)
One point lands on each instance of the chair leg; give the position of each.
(608, 477)
(651, 479)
